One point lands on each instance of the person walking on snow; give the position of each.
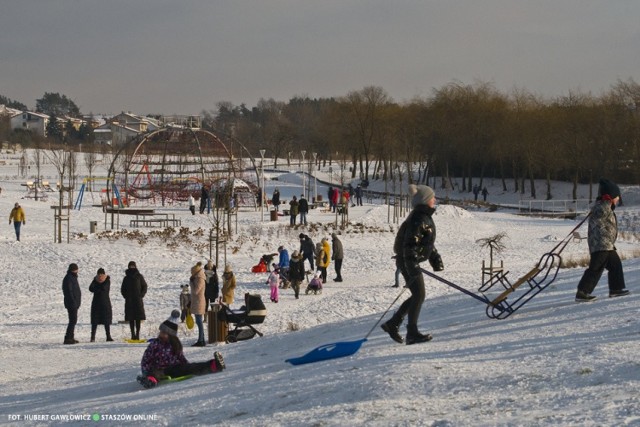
(337, 256)
(323, 257)
(164, 357)
(72, 300)
(294, 207)
(198, 301)
(274, 282)
(133, 290)
(303, 208)
(18, 217)
(602, 234)
(192, 205)
(296, 272)
(414, 243)
(307, 249)
(101, 313)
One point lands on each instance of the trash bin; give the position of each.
(217, 328)
(274, 215)
(93, 226)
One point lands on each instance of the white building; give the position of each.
(34, 122)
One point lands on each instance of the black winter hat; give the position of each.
(608, 187)
(101, 271)
(132, 264)
(73, 267)
(170, 326)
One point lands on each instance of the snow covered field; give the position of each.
(554, 362)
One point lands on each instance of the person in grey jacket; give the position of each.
(603, 231)
(72, 300)
(337, 255)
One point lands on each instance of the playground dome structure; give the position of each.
(170, 164)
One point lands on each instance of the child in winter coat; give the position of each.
(315, 285)
(164, 357)
(274, 281)
(185, 302)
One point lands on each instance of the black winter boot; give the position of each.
(415, 337)
(392, 327)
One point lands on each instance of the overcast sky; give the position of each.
(156, 56)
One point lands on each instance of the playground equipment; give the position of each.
(536, 280)
(172, 163)
(86, 183)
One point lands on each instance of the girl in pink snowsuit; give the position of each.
(274, 282)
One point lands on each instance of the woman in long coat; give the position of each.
(101, 313)
(133, 289)
(198, 302)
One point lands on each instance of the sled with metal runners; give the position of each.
(535, 281)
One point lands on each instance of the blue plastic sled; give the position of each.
(328, 351)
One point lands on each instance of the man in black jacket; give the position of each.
(415, 242)
(303, 208)
(307, 249)
(72, 300)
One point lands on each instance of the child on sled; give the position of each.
(315, 285)
(164, 357)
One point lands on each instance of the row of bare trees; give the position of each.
(463, 131)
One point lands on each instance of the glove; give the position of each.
(436, 262)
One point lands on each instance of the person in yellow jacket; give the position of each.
(323, 258)
(228, 285)
(18, 217)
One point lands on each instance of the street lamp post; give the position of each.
(302, 168)
(315, 180)
(262, 185)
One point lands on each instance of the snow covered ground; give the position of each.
(553, 362)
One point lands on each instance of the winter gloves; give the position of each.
(436, 261)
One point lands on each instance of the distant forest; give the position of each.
(466, 132)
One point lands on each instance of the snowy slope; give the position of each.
(554, 362)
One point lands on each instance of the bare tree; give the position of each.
(90, 158)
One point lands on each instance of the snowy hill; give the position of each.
(553, 362)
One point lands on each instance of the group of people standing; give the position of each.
(133, 290)
(203, 285)
(296, 206)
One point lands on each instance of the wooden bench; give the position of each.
(151, 220)
(578, 237)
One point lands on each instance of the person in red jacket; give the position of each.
(164, 357)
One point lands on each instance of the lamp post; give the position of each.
(302, 168)
(315, 180)
(262, 185)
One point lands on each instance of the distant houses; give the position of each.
(117, 130)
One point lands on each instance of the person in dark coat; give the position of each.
(415, 242)
(294, 207)
(337, 255)
(275, 199)
(133, 289)
(72, 300)
(359, 195)
(204, 199)
(212, 286)
(307, 249)
(296, 272)
(602, 235)
(303, 208)
(485, 193)
(101, 313)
